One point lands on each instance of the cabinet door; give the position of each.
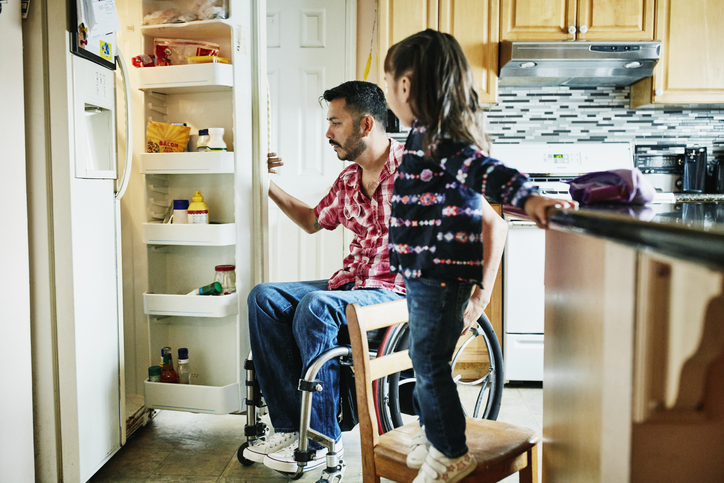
(474, 24)
(398, 19)
(537, 19)
(691, 67)
(615, 20)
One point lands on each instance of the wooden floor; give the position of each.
(201, 448)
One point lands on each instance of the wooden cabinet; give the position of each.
(577, 20)
(634, 364)
(474, 23)
(691, 68)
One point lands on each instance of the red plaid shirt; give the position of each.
(368, 263)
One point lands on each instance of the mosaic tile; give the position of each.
(598, 115)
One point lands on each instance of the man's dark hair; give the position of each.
(362, 98)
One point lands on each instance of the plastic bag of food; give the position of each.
(166, 138)
(175, 51)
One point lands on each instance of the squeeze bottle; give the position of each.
(198, 211)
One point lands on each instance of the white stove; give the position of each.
(549, 165)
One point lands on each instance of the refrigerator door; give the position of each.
(94, 266)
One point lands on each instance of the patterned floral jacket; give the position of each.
(436, 222)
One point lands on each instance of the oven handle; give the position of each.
(521, 224)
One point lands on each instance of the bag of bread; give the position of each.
(166, 138)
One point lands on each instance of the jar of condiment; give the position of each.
(216, 139)
(226, 276)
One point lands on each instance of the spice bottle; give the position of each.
(168, 373)
(216, 139)
(226, 276)
(198, 210)
(184, 369)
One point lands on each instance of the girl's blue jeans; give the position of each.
(436, 310)
(290, 324)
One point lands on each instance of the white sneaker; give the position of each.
(261, 447)
(284, 461)
(418, 450)
(437, 467)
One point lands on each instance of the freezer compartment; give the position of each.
(188, 163)
(221, 234)
(523, 357)
(199, 399)
(191, 305)
(183, 79)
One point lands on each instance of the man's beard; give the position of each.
(353, 147)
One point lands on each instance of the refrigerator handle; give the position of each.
(123, 184)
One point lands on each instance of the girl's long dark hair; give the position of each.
(442, 97)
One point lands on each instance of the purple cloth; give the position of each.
(625, 186)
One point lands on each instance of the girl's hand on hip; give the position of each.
(536, 207)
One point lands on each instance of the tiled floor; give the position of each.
(186, 447)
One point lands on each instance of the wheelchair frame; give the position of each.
(492, 385)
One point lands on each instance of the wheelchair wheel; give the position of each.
(394, 393)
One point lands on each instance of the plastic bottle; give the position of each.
(211, 289)
(168, 373)
(180, 212)
(216, 139)
(203, 141)
(198, 210)
(184, 369)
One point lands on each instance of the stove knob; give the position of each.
(679, 183)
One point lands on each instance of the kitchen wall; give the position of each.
(569, 114)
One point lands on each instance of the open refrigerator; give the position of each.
(164, 262)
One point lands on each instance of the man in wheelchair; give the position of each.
(290, 324)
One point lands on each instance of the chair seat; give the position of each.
(499, 449)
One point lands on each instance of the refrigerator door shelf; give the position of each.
(198, 29)
(184, 79)
(195, 398)
(188, 163)
(191, 305)
(221, 234)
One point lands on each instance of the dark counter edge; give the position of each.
(680, 242)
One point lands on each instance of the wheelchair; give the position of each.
(393, 393)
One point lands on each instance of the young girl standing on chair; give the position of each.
(435, 236)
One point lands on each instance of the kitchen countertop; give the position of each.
(691, 231)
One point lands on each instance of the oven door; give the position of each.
(523, 288)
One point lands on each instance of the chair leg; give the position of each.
(529, 474)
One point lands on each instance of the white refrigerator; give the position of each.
(108, 279)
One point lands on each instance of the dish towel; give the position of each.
(625, 186)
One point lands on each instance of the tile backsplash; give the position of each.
(601, 114)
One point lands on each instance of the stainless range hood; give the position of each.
(576, 63)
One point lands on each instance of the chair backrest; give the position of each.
(361, 320)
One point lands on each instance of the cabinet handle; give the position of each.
(572, 30)
(659, 91)
(583, 29)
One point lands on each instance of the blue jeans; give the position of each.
(436, 310)
(290, 324)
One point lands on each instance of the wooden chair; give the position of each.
(500, 449)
